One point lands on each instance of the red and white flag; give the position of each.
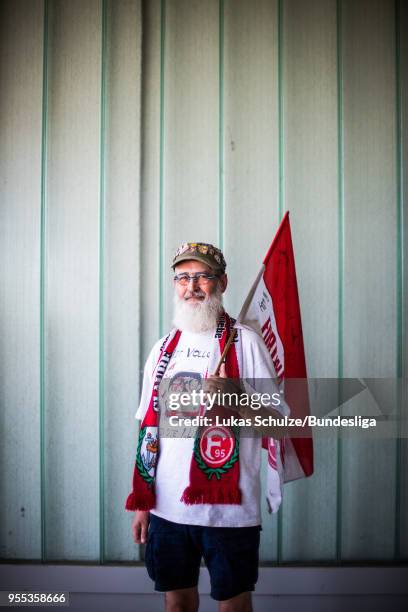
(272, 309)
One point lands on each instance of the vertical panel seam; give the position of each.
(281, 205)
(340, 179)
(43, 206)
(221, 211)
(142, 11)
(102, 134)
(399, 256)
(279, 539)
(140, 32)
(161, 170)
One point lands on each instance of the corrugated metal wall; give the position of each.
(128, 127)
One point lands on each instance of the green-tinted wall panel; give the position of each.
(370, 291)
(403, 177)
(21, 31)
(122, 271)
(150, 252)
(250, 152)
(72, 268)
(310, 143)
(250, 140)
(190, 138)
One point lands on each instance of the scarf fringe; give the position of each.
(138, 501)
(221, 495)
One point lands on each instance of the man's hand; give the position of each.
(223, 385)
(140, 524)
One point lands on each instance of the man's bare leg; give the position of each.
(182, 600)
(240, 603)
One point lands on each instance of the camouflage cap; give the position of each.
(200, 251)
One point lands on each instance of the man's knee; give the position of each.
(182, 600)
(239, 603)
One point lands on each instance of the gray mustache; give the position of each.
(195, 294)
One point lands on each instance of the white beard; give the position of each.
(197, 317)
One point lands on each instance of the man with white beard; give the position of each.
(199, 497)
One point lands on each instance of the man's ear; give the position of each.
(223, 280)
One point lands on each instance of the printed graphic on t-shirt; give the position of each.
(190, 352)
(181, 386)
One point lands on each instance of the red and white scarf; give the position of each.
(213, 480)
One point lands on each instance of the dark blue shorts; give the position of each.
(174, 551)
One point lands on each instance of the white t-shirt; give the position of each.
(191, 356)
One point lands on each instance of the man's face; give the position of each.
(194, 293)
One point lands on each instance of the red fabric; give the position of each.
(225, 489)
(280, 279)
(142, 496)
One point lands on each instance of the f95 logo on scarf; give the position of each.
(216, 445)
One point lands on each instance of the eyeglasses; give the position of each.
(201, 277)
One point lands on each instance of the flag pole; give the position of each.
(240, 316)
(225, 351)
(247, 302)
